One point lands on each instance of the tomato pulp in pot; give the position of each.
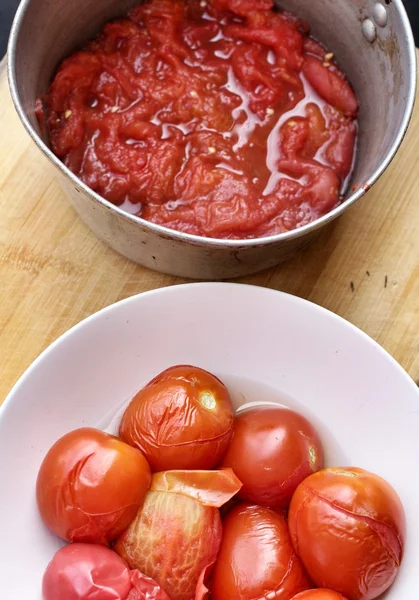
(219, 118)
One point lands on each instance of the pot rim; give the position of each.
(213, 242)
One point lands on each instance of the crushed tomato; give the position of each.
(222, 119)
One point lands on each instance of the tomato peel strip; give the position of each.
(209, 488)
(145, 588)
(202, 590)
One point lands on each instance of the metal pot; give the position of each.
(374, 44)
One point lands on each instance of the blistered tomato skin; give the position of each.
(90, 486)
(183, 419)
(83, 571)
(319, 594)
(210, 488)
(272, 451)
(256, 558)
(348, 527)
(89, 571)
(175, 113)
(175, 540)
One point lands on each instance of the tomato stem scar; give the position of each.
(207, 399)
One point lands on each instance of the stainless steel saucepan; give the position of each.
(372, 41)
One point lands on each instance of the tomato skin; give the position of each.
(145, 588)
(174, 539)
(83, 571)
(319, 594)
(87, 571)
(272, 450)
(210, 488)
(90, 486)
(330, 86)
(350, 513)
(256, 557)
(183, 419)
(177, 533)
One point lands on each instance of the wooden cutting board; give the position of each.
(54, 272)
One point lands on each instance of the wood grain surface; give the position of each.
(54, 272)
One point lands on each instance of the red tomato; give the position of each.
(339, 151)
(330, 86)
(90, 486)
(253, 72)
(273, 449)
(163, 153)
(277, 31)
(312, 46)
(243, 7)
(83, 571)
(177, 533)
(348, 527)
(183, 419)
(322, 183)
(303, 137)
(319, 594)
(256, 558)
(87, 571)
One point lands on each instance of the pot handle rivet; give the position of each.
(369, 30)
(380, 15)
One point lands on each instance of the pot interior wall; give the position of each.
(51, 29)
(378, 71)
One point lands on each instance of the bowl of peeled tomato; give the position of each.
(213, 138)
(212, 455)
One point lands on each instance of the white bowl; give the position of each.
(266, 346)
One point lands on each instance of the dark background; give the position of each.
(8, 8)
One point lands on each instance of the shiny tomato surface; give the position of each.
(145, 588)
(183, 419)
(89, 571)
(90, 486)
(272, 451)
(319, 594)
(210, 488)
(256, 558)
(348, 527)
(221, 118)
(84, 571)
(177, 533)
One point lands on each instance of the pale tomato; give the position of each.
(183, 419)
(87, 571)
(256, 557)
(90, 486)
(348, 527)
(272, 451)
(177, 533)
